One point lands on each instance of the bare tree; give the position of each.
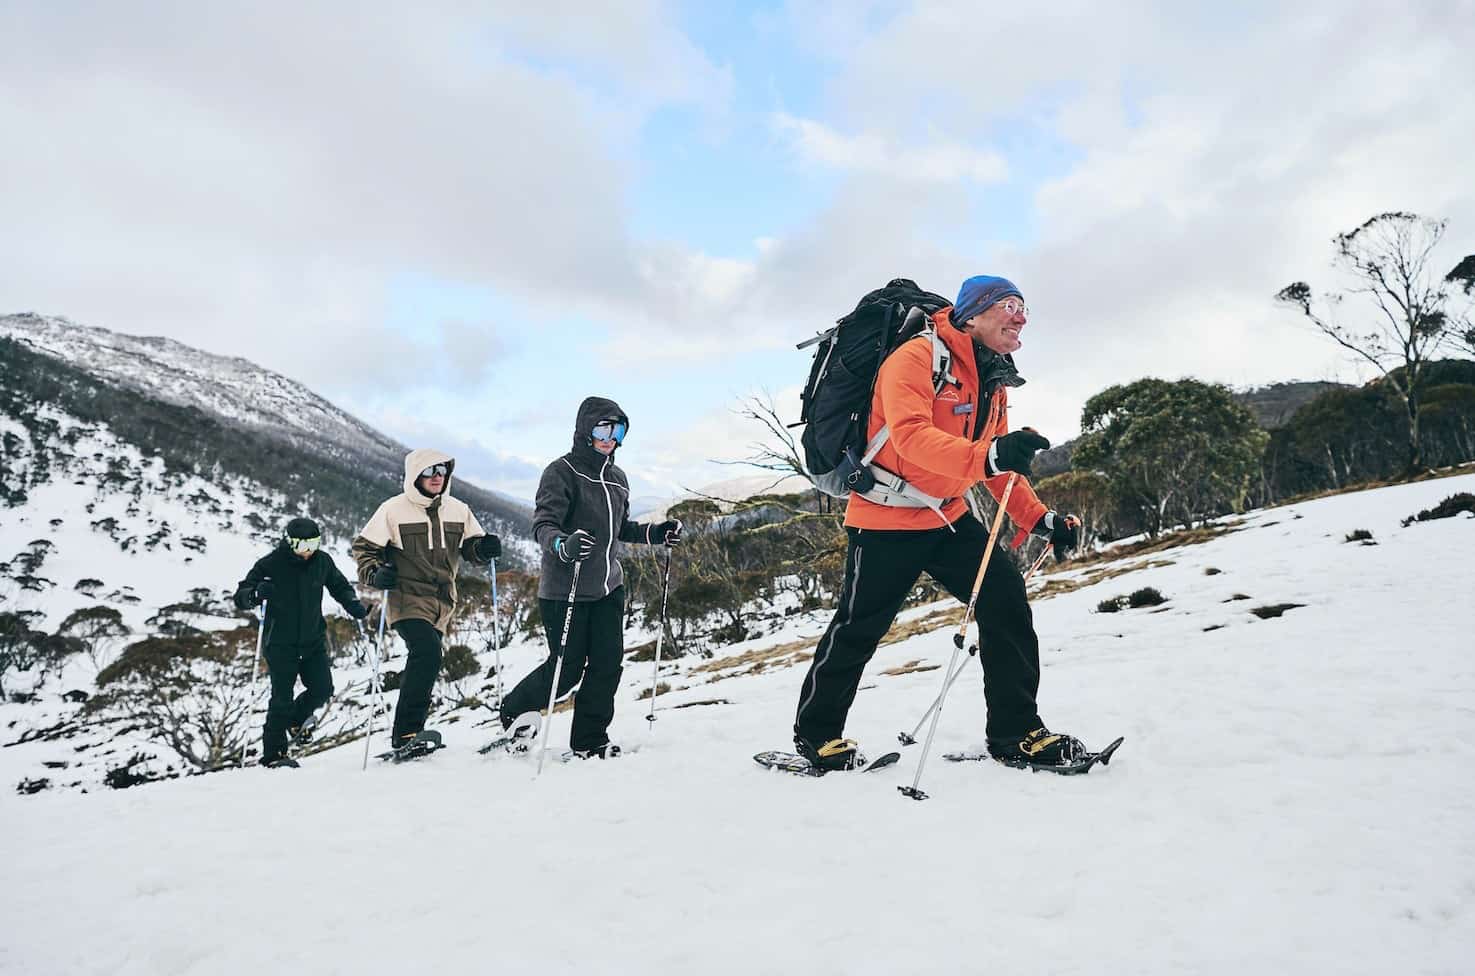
(1389, 258)
(191, 694)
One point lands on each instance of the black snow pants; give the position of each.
(595, 653)
(287, 663)
(417, 681)
(881, 567)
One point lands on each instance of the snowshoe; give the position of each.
(281, 762)
(1061, 754)
(518, 738)
(414, 746)
(607, 751)
(789, 762)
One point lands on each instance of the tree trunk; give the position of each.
(1415, 451)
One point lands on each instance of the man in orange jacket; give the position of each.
(941, 443)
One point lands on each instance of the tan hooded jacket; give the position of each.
(425, 539)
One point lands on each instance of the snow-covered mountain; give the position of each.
(232, 388)
(209, 415)
(1290, 799)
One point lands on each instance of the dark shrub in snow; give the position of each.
(1274, 610)
(1146, 597)
(459, 662)
(1359, 535)
(1449, 508)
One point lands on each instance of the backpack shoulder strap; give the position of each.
(942, 375)
(942, 362)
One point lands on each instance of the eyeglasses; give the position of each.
(1014, 306)
(305, 545)
(435, 470)
(609, 430)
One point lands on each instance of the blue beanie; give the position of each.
(978, 293)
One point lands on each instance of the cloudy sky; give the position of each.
(456, 220)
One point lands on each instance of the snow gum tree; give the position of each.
(191, 694)
(1174, 452)
(1403, 312)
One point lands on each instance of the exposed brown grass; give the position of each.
(911, 667)
(1055, 587)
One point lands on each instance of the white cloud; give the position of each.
(884, 154)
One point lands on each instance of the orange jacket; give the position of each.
(931, 444)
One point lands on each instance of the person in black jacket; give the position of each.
(582, 509)
(290, 580)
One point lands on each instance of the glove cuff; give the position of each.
(1046, 525)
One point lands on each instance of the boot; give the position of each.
(607, 751)
(834, 754)
(281, 762)
(301, 735)
(1038, 747)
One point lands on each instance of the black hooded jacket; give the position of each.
(294, 614)
(585, 490)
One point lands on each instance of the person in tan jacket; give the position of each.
(411, 549)
(941, 443)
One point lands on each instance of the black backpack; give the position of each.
(842, 380)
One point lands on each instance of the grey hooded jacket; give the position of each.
(585, 490)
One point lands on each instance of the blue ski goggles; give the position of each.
(609, 430)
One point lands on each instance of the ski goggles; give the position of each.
(609, 430)
(436, 470)
(304, 545)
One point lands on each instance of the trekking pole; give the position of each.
(568, 622)
(376, 686)
(255, 672)
(911, 739)
(660, 638)
(960, 638)
(496, 635)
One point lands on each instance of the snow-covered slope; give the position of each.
(1291, 799)
(121, 531)
(230, 387)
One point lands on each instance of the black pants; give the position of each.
(422, 667)
(595, 653)
(881, 567)
(287, 663)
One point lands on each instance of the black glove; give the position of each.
(357, 610)
(1063, 531)
(667, 533)
(265, 590)
(245, 598)
(385, 577)
(575, 547)
(488, 547)
(1014, 452)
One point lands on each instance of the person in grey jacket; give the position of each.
(581, 511)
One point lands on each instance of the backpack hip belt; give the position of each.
(894, 490)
